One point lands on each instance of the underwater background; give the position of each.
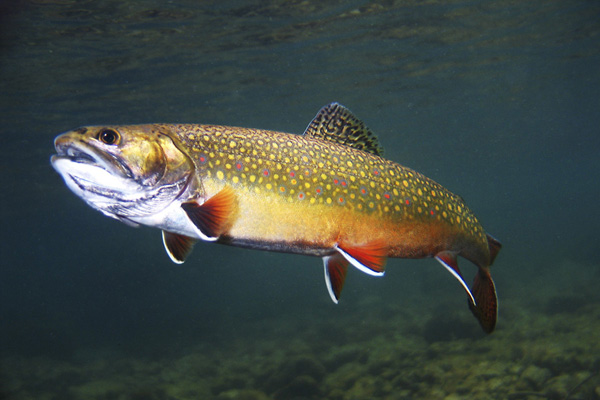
(497, 101)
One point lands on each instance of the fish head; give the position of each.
(126, 172)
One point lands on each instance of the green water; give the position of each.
(497, 101)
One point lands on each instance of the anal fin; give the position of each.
(369, 258)
(448, 260)
(211, 217)
(178, 246)
(336, 267)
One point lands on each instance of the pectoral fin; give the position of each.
(178, 247)
(211, 217)
(336, 267)
(369, 258)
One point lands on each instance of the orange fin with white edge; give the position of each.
(212, 216)
(178, 246)
(448, 260)
(336, 267)
(486, 308)
(369, 258)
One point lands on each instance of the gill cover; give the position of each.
(126, 172)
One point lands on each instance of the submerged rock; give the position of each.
(536, 376)
(244, 394)
(301, 387)
(289, 374)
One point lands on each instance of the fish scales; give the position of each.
(295, 170)
(326, 193)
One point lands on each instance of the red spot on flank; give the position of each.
(341, 200)
(202, 159)
(375, 171)
(292, 174)
(301, 195)
(238, 166)
(336, 181)
(344, 183)
(319, 191)
(431, 212)
(387, 196)
(407, 201)
(266, 172)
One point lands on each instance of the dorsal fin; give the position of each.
(336, 123)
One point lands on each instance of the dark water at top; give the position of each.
(498, 101)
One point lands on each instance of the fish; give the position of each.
(327, 193)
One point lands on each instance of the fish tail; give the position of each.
(485, 308)
(494, 246)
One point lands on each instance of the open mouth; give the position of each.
(75, 153)
(82, 153)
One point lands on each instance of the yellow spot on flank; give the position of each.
(405, 183)
(235, 179)
(220, 175)
(252, 178)
(329, 201)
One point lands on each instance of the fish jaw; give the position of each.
(130, 180)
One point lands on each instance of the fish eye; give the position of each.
(108, 136)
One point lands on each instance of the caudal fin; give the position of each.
(485, 308)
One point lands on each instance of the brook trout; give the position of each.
(327, 193)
